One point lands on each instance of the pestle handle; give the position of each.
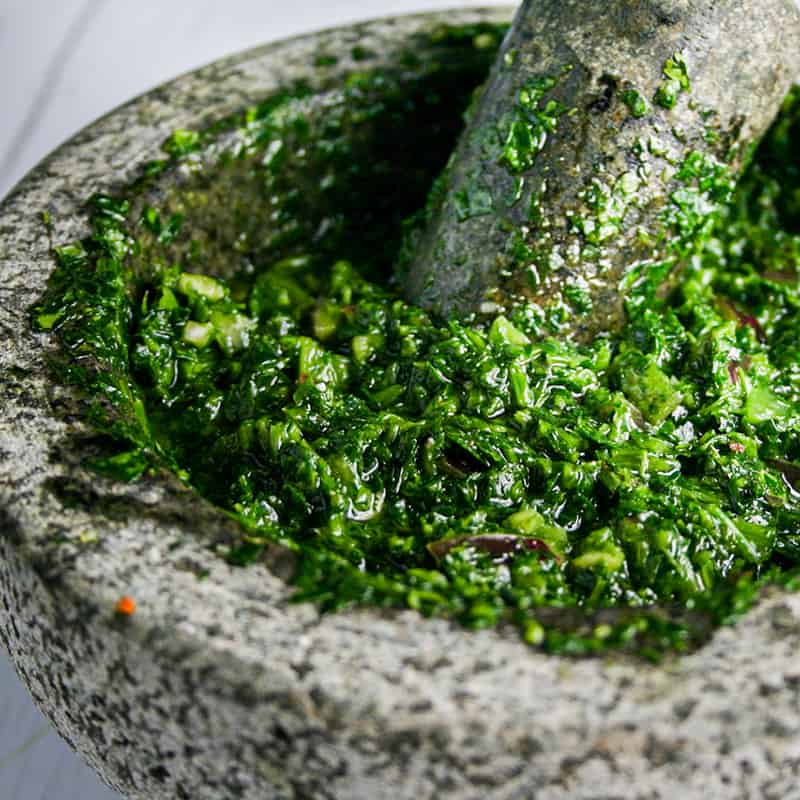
(589, 149)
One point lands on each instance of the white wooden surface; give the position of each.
(62, 64)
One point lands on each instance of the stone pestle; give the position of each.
(602, 139)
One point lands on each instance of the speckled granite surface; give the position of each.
(221, 689)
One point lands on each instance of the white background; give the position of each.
(62, 64)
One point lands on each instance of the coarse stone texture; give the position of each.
(220, 688)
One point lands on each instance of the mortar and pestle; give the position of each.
(223, 687)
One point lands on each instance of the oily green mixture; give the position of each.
(234, 318)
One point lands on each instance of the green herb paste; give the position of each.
(233, 316)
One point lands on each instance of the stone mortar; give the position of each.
(221, 688)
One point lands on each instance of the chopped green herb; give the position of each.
(636, 102)
(533, 121)
(676, 81)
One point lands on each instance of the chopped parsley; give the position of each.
(675, 82)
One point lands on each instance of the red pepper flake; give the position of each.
(737, 447)
(749, 321)
(735, 366)
(502, 546)
(303, 377)
(743, 319)
(125, 607)
(789, 278)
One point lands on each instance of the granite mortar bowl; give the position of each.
(222, 687)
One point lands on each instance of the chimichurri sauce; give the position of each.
(234, 317)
